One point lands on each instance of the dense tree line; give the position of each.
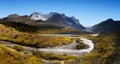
(29, 28)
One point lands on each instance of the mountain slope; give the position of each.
(109, 25)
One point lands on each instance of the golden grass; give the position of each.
(10, 34)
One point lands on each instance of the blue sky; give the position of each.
(89, 12)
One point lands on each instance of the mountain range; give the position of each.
(55, 18)
(54, 21)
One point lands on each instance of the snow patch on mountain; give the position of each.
(40, 16)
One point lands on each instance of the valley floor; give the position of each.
(66, 49)
(70, 49)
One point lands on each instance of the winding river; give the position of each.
(66, 49)
(70, 49)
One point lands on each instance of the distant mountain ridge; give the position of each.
(60, 23)
(38, 21)
(58, 19)
(52, 18)
(108, 25)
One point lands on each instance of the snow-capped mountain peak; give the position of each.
(57, 19)
(39, 16)
(44, 17)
